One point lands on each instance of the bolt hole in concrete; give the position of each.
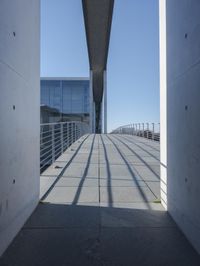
(13, 181)
(186, 107)
(13, 107)
(57, 167)
(14, 34)
(186, 35)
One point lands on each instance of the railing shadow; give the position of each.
(78, 192)
(109, 185)
(138, 156)
(133, 142)
(61, 234)
(63, 170)
(132, 174)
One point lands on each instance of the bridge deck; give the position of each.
(103, 209)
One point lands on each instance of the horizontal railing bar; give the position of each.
(150, 131)
(42, 149)
(44, 159)
(43, 143)
(47, 163)
(46, 152)
(55, 138)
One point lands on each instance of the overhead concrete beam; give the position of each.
(98, 18)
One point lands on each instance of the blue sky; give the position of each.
(133, 62)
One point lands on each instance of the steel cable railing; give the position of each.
(145, 130)
(55, 138)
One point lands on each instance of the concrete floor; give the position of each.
(102, 209)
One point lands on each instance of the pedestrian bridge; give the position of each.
(100, 205)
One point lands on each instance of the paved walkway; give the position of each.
(103, 209)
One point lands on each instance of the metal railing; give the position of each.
(55, 138)
(145, 130)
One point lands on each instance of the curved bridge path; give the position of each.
(100, 205)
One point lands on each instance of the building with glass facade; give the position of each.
(64, 99)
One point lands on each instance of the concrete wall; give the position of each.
(19, 114)
(163, 104)
(182, 118)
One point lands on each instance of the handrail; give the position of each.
(55, 138)
(146, 130)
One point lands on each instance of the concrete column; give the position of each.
(102, 115)
(163, 104)
(180, 109)
(91, 103)
(19, 114)
(94, 118)
(105, 100)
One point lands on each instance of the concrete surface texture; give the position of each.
(180, 109)
(102, 208)
(20, 115)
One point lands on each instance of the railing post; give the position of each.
(75, 133)
(61, 136)
(143, 130)
(139, 129)
(70, 133)
(78, 130)
(147, 130)
(53, 143)
(152, 131)
(67, 134)
(56, 137)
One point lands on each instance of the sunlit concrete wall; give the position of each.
(163, 103)
(180, 119)
(19, 114)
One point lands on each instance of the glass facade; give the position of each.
(64, 100)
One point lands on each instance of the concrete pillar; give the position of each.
(102, 115)
(19, 114)
(94, 118)
(91, 102)
(163, 104)
(180, 109)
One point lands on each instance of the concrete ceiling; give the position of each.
(98, 18)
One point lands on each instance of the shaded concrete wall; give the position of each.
(181, 141)
(19, 114)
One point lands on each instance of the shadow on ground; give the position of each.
(60, 234)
